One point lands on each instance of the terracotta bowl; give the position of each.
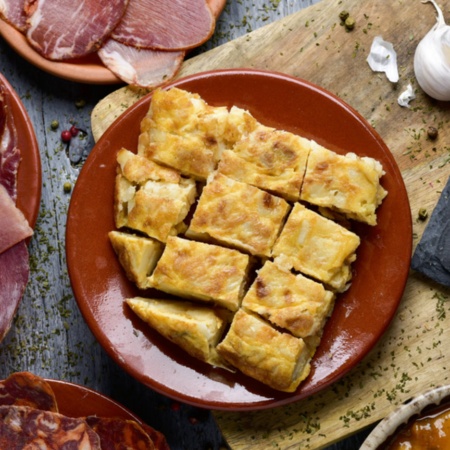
(390, 425)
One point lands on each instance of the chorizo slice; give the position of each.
(65, 29)
(168, 25)
(145, 68)
(27, 389)
(25, 427)
(116, 433)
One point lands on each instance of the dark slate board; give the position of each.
(432, 254)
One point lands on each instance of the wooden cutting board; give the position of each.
(413, 355)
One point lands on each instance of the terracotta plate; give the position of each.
(361, 314)
(29, 177)
(79, 401)
(88, 69)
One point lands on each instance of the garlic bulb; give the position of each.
(432, 59)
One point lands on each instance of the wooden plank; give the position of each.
(412, 356)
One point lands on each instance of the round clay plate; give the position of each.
(361, 314)
(89, 69)
(29, 177)
(79, 401)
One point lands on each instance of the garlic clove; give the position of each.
(383, 58)
(432, 59)
(406, 96)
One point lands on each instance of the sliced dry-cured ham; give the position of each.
(27, 389)
(167, 25)
(22, 427)
(13, 224)
(140, 67)
(14, 273)
(63, 29)
(14, 258)
(13, 12)
(9, 153)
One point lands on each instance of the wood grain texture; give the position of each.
(413, 354)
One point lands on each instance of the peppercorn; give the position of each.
(66, 135)
(54, 125)
(423, 214)
(349, 23)
(67, 187)
(432, 133)
(343, 15)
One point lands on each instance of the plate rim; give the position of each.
(283, 399)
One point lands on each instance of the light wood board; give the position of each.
(413, 355)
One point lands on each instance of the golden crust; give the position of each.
(202, 271)
(270, 159)
(277, 359)
(317, 247)
(289, 301)
(195, 328)
(137, 255)
(238, 215)
(137, 169)
(348, 184)
(183, 132)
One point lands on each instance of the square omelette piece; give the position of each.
(276, 359)
(317, 247)
(238, 215)
(202, 271)
(347, 184)
(270, 159)
(151, 198)
(183, 132)
(292, 302)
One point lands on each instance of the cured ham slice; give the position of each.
(167, 25)
(14, 272)
(27, 389)
(140, 67)
(13, 224)
(63, 29)
(14, 262)
(9, 153)
(24, 427)
(13, 12)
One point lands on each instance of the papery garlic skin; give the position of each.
(432, 60)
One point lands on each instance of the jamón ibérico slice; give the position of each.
(27, 389)
(13, 12)
(165, 25)
(64, 29)
(14, 272)
(140, 67)
(24, 427)
(13, 224)
(9, 153)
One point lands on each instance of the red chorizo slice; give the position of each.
(64, 29)
(165, 25)
(140, 67)
(27, 389)
(117, 434)
(22, 427)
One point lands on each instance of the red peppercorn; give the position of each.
(74, 130)
(66, 135)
